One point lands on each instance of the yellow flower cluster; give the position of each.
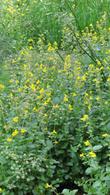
(15, 119)
(52, 48)
(15, 133)
(2, 86)
(92, 154)
(85, 118)
(47, 185)
(1, 190)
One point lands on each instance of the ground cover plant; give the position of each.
(55, 103)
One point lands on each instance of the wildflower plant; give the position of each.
(54, 115)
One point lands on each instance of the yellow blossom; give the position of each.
(70, 107)
(84, 78)
(98, 98)
(55, 45)
(23, 131)
(11, 81)
(45, 115)
(11, 10)
(56, 106)
(54, 132)
(2, 86)
(42, 91)
(85, 117)
(65, 98)
(30, 40)
(20, 89)
(33, 87)
(30, 74)
(74, 94)
(98, 63)
(15, 133)
(108, 79)
(50, 47)
(35, 109)
(67, 63)
(87, 143)
(15, 119)
(81, 155)
(45, 103)
(48, 186)
(91, 66)
(37, 82)
(1, 190)
(56, 142)
(105, 135)
(30, 47)
(108, 51)
(9, 139)
(92, 154)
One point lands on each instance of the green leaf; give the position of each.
(97, 148)
(68, 192)
(56, 100)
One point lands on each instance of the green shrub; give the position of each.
(54, 114)
(55, 117)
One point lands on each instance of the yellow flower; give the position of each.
(35, 109)
(33, 87)
(56, 106)
(105, 135)
(70, 107)
(65, 98)
(11, 81)
(11, 10)
(98, 98)
(15, 133)
(20, 89)
(2, 86)
(9, 139)
(87, 143)
(50, 48)
(15, 119)
(108, 51)
(85, 117)
(91, 66)
(98, 63)
(56, 142)
(23, 131)
(30, 40)
(45, 103)
(1, 190)
(30, 74)
(81, 155)
(108, 79)
(55, 45)
(92, 154)
(48, 186)
(74, 94)
(54, 132)
(42, 91)
(84, 78)
(67, 63)
(30, 47)
(37, 82)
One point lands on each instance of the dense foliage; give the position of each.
(54, 107)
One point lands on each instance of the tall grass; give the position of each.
(33, 18)
(88, 12)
